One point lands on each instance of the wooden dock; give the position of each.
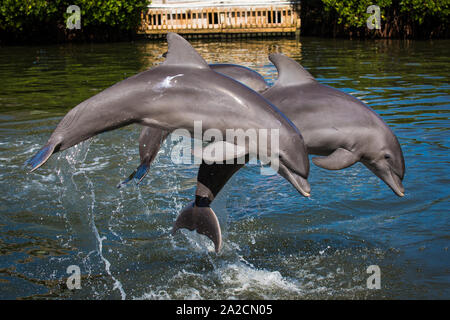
(230, 19)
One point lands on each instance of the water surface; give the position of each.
(277, 244)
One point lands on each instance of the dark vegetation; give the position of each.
(399, 18)
(30, 21)
(40, 21)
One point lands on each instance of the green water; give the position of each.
(276, 244)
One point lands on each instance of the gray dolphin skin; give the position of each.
(150, 141)
(150, 138)
(175, 94)
(334, 125)
(247, 76)
(201, 217)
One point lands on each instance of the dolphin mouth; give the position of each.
(297, 181)
(41, 156)
(389, 177)
(395, 183)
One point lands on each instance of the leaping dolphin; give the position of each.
(334, 125)
(150, 138)
(175, 94)
(150, 141)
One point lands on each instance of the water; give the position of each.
(277, 244)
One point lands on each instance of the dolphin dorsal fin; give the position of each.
(181, 53)
(290, 72)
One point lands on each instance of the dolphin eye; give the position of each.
(387, 156)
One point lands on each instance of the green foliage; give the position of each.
(352, 13)
(22, 17)
(420, 10)
(16, 16)
(125, 14)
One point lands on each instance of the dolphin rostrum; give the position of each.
(175, 94)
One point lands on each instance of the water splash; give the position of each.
(67, 174)
(117, 283)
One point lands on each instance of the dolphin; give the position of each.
(328, 120)
(150, 138)
(150, 141)
(335, 125)
(175, 94)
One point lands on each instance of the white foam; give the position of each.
(243, 279)
(236, 280)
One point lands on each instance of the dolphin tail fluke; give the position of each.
(201, 219)
(41, 156)
(137, 175)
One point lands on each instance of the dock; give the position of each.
(225, 18)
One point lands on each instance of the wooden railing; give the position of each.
(220, 20)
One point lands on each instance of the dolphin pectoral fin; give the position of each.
(201, 219)
(141, 172)
(220, 151)
(41, 157)
(150, 141)
(137, 175)
(338, 160)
